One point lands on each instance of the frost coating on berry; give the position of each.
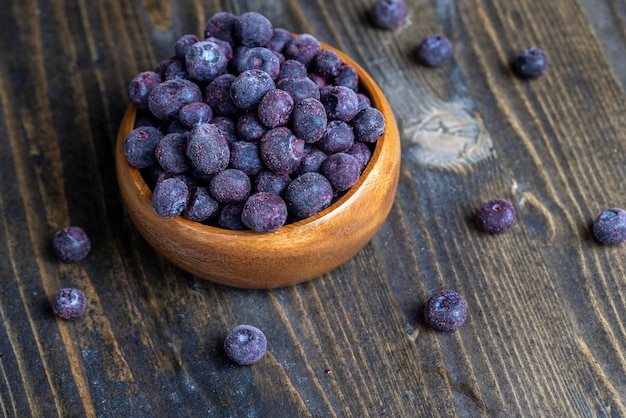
(69, 303)
(610, 226)
(446, 311)
(245, 345)
(531, 63)
(71, 244)
(496, 215)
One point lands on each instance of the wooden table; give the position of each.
(546, 331)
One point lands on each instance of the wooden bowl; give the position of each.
(294, 253)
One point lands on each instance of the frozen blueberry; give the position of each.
(361, 152)
(253, 29)
(446, 310)
(141, 86)
(139, 146)
(364, 101)
(338, 137)
(347, 77)
(341, 103)
(299, 88)
(270, 182)
(249, 127)
(69, 303)
(280, 150)
(230, 186)
(388, 14)
(176, 70)
(71, 244)
(291, 68)
(434, 50)
(610, 226)
(280, 37)
(176, 127)
(226, 48)
(245, 156)
(230, 217)
(183, 43)
(167, 98)
(145, 118)
(275, 108)
(207, 149)
(309, 120)
(227, 127)
(205, 60)
(327, 64)
(264, 212)
(496, 215)
(259, 58)
(245, 345)
(170, 197)
(170, 153)
(217, 95)
(222, 26)
(531, 63)
(303, 48)
(201, 205)
(249, 87)
(319, 81)
(308, 194)
(194, 114)
(342, 171)
(311, 160)
(368, 125)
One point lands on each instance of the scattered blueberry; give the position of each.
(69, 303)
(434, 50)
(496, 215)
(245, 345)
(610, 226)
(446, 311)
(71, 244)
(531, 63)
(388, 14)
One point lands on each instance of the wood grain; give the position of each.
(546, 333)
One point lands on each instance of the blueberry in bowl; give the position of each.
(276, 208)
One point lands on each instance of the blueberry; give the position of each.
(388, 14)
(342, 171)
(176, 70)
(311, 160)
(249, 87)
(264, 212)
(446, 311)
(318, 80)
(230, 217)
(217, 95)
(253, 29)
(227, 127)
(280, 150)
(270, 182)
(275, 108)
(69, 303)
(434, 50)
(207, 149)
(338, 137)
(496, 215)
(299, 88)
(245, 156)
(309, 120)
(141, 86)
(176, 127)
(291, 68)
(531, 63)
(226, 47)
(222, 26)
(259, 58)
(205, 60)
(308, 194)
(245, 345)
(230, 186)
(340, 103)
(183, 43)
(170, 153)
(327, 64)
(280, 37)
(361, 152)
(71, 244)
(167, 98)
(170, 197)
(249, 127)
(139, 146)
(610, 226)
(194, 114)
(369, 125)
(364, 101)
(303, 48)
(201, 205)
(347, 77)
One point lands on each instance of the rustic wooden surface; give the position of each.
(546, 333)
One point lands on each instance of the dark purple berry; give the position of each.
(364, 101)
(270, 182)
(183, 43)
(194, 114)
(434, 50)
(259, 58)
(170, 197)
(347, 77)
(496, 215)
(217, 95)
(341, 103)
(141, 86)
(139, 146)
(69, 303)
(311, 160)
(170, 153)
(446, 311)
(610, 226)
(167, 98)
(176, 70)
(201, 205)
(253, 29)
(303, 48)
(309, 120)
(71, 244)
(226, 127)
(319, 81)
(291, 68)
(222, 26)
(207, 149)
(162, 66)
(327, 64)
(299, 88)
(280, 37)
(338, 137)
(531, 63)
(245, 156)
(230, 217)
(226, 47)
(361, 152)
(264, 212)
(368, 125)
(308, 194)
(230, 186)
(249, 87)
(281, 151)
(342, 171)
(245, 345)
(250, 128)
(205, 60)
(388, 14)
(275, 108)
(176, 127)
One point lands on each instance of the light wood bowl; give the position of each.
(294, 253)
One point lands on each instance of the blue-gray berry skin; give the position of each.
(71, 244)
(245, 345)
(388, 14)
(249, 87)
(170, 197)
(166, 99)
(140, 144)
(446, 311)
(69, 303)
(531, 63)
(496, 216)
(205, 60)
(264, 212)
(610, 226)
(308, 194)
(435, 50)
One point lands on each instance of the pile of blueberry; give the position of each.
(251, 127)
